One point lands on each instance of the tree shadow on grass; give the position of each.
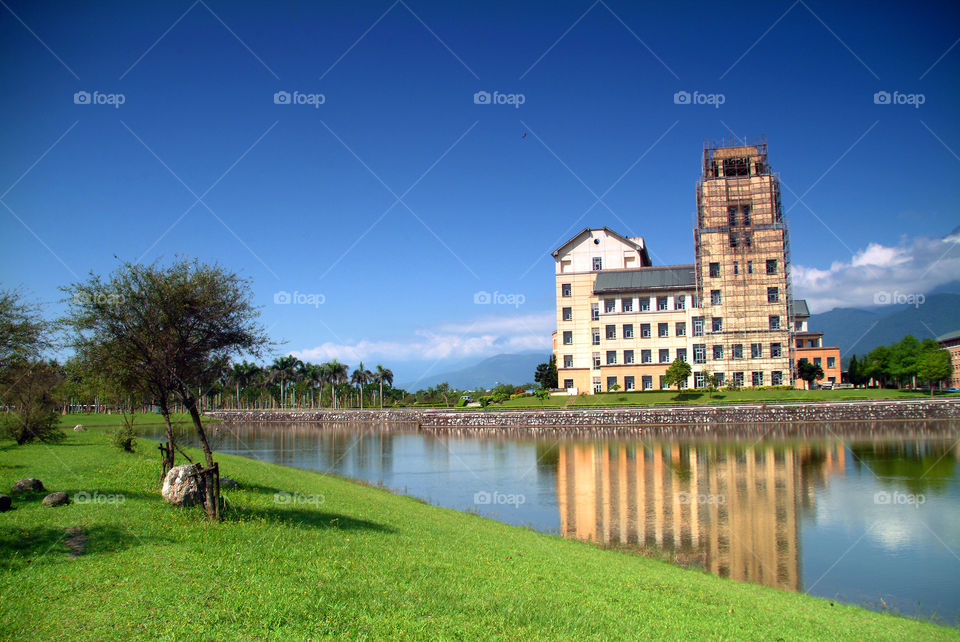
(303, 516)
(688, 396)
(21, 547)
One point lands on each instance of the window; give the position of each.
(733, 240)
(717, 324)
(665, 355)
(627, 330)
(661, 303)
(736, 267)
(774, 322)
(738, 379)
(568, 383)
(567, 337)
(611, 332)
(663, 330)
(626, 305)
(798, 326)
(699, 380)
(714, 270)
(646, 356)
(698, 326)
(628, 383)
(596, 385)
(756, 350)
(680, 329)
(611, 357)
(756, 379)
(817, 361)
(699, 353)
(597, 263)
(644, 304)
(566, 289)
(644, 330)
(799, 343)
(776, 378)
(773, 295)
(719, 376)
(568, 314)
(695, 301)
(749, 267)
(831, 362)
(611, 382)
(647, 382)
(776, 350)
(609, 305)
(771, 266)
(594, 311)
(679, 302)
(731, 217)
(748, 240)
(596, 360)
(596, 336)
(736, 351)
(717, 353)
(746, 214)
(715, 297)
(663, 382)
(568, 361)
(628, 356)
(682, 354)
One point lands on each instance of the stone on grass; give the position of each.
(181, 486)
(28, 485)
(5, 503)
(58, 498)
(226, 482)
(79, 428)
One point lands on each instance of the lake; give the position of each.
(849, 513)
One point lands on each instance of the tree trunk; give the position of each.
(191, 405)
(171, 438)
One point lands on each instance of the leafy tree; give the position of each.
(336, 374)
(809, 372)
(876, 366)
(615, 387)
(165, 331)
(712, 381)
(242, 375)
(383, 376)
(678, 372)
(286, 369)
(30, 397)
(542, 394)
(934, 366)
(360, 378)
(24, 335)
(546, 374)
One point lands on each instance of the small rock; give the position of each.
(79, 428)
(58, 498)
(5, 503)
(181, 486)
(28, 485)
(226, 482)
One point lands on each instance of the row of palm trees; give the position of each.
(281, 381)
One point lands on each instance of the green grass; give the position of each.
(360, 563)
(700, 397)
(91, 420)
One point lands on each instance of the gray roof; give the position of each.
(673, 276)
(798, 308)
(948, 336)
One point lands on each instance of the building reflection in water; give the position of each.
(734, 509)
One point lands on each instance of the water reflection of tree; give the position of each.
(915, 466)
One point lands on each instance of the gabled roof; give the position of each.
(646, 278)
(587, 230)
(798, 308)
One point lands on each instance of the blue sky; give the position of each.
(383, 210)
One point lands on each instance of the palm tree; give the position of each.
(285, 369)
(313, 374)
(336, 374)
(360, 378)
(242, 374)
(381, 376)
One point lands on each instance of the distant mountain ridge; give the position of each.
(516, 369)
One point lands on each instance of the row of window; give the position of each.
(663, 329)
(773, 296)
(629, 357)
(699, 355)
(771, 267)
(699, 381)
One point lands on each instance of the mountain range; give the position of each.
(515, 369)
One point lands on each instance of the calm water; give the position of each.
(861, 519)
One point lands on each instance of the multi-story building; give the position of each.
(622, 321)
(809, 346)
(951, 343)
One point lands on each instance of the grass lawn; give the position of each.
(700, 397)
(345, 560)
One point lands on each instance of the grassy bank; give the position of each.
(338, 559)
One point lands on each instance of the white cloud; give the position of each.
(480, 338)
(880, 274)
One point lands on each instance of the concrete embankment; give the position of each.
(699, 418)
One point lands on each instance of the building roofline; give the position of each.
(640, 248)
